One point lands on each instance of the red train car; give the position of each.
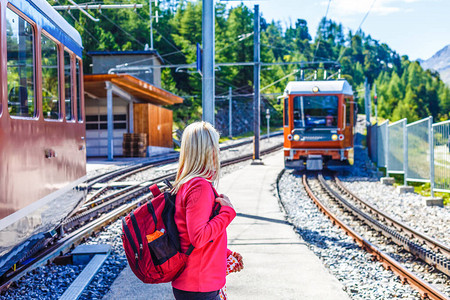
(42, 130)
(319, 119)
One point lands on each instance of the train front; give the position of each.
(318, 124)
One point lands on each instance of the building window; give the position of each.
(50, 82)
(20, 66)
(78, 75)
(99, 122)
(68, 86)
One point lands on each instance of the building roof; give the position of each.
(94, 85)
(137, 52)
(325, 87)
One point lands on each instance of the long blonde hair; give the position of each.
(199, 154)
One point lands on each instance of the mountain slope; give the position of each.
(440, 62)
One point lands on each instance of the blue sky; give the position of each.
(417, 28)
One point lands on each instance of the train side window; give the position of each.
(20, 66)
(286, 112)
(78, 85)
(68, 86)
(50, 82)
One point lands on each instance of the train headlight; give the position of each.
(334, 137)
(341, 137)
(289, 137)
(315, 89)
(296, 137)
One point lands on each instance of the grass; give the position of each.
(420, 188)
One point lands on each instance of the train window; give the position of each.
(68, 86)
(286, 111)
(78, 79)
(20, 66)
(50, 82)
(315, 111)
(348, 113)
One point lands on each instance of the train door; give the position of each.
(348, 121)
(286, 129)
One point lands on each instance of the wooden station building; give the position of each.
(122, 98)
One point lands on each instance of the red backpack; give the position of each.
(151, 240)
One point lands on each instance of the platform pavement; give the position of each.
(278, 264)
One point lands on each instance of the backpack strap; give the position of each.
(151, 210)
(190, 249)
(137, 232)
(155, 190)
(130, 239)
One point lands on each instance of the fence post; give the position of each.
(405, 152)
(431, 142)
(386, 149)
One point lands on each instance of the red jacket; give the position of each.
(206, 266)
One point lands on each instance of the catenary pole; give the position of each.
(256, 84)
(151, 24)
(230, 112)
(208, 92)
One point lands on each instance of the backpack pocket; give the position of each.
(162, 249)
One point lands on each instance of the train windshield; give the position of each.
(315, 111)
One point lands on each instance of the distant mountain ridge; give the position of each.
(439, 62)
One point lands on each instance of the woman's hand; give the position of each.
(224, 201)
(240, 266)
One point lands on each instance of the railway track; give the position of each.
(408, 238)
(98, 213)
(128, 171)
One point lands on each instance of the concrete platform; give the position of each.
(278, 264)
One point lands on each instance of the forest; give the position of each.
(404, 89)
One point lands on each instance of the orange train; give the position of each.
(319, 120)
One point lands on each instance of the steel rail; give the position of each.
(92, 208)
(438, 261)
(431, 242)
(425, 289)
(95, 221)
(130, 170)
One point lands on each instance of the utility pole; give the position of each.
(230, 112)
(208, 92)
(375, 101)
(256, 84)
(367, 102)
(151, 23)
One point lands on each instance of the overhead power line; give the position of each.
(370, 8)
(320, 36)
(123, 30)
(96, 6)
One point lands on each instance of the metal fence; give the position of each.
(420, 151)
(395, 151)
(382, 139)
(441, 146)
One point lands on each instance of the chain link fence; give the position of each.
(420, 151)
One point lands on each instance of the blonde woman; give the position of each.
(199, 167)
